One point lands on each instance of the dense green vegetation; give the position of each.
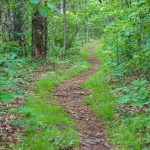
(124, 122)
(41, 46)
(52, 125)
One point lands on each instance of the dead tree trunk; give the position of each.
(45, 34)
(18, 24)
(65, 28)
(39, 38)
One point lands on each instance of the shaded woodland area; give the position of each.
(45, 43)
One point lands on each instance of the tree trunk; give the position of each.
(45, 34)
(8, 23)
(39, 38)
(18, 23)
(65, 27)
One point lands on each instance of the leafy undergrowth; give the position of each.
(124, 110)
(11, 79)
(47, 125)
(16, 75)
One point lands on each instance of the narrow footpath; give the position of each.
(69, 95)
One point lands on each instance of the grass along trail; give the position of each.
(69, 95)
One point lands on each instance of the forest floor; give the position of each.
(70, 105)
(10, 128)
(69, 95)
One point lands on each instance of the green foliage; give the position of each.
(123, 27)
(35, 1)
(125, 130)
(126, 44)
(100, 102)
(126, 35)
(136, 95)
(43, 11)
(46, 122)
(100, 99)
(131, 132)
(47, 125)
(84, 54)
(10, 81)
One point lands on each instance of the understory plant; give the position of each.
(124, 111)
(137, 94)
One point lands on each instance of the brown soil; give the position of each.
(69, 95)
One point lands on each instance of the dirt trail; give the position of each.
(69, 95)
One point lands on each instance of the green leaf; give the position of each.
(35, 1)
(124, 99)
(7, 97)
(12, 64)
(52, 7)
(71, 142)
(127, 34)
(13, 55)
(148, 110)
(2, 80)
(2, 108)
(8, 84)
(20, 92)
(49, 5)
(18, 122)
(21, 110)
(139, 82)
(147, 138)
(1, 61)
(138, 104)
(43, 11)
(10, 72)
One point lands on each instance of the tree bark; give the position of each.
(45, 34)
(64, 27)
(18, 23)
(39, 36)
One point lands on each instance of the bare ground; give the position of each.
(69, 95)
